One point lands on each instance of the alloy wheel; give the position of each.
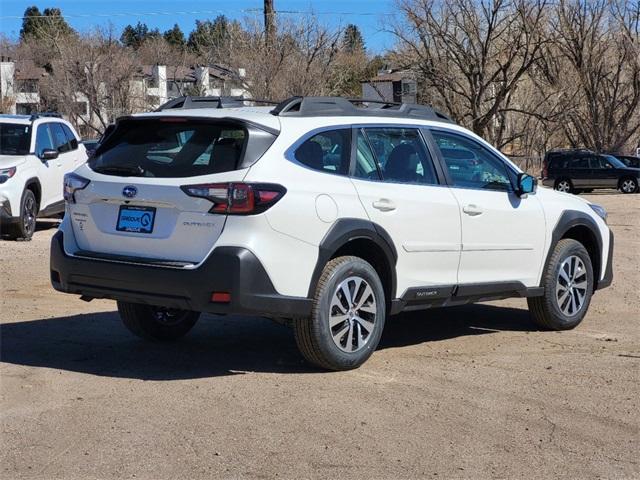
(571, 285)
(167, 316)
(29, 216)
(628, 186)
(352, 314)
(563, 186)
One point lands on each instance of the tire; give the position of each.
(564, 185)
(555, 310)
(156, 323)
(344, 345)
(628, 185)
(25, 227)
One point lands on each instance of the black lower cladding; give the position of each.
(608, 272)
(228, 269)
(5, 211)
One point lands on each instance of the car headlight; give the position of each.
(7, 173)
(600, 210)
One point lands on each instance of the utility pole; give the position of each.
(269, 22)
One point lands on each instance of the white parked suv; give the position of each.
(330, 213)
(36, 151)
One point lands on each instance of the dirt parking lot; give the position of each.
(471, 392)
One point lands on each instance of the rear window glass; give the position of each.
(163, 148)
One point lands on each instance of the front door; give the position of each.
(503, 235)
(397, 184)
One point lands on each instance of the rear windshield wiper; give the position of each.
(120, 170)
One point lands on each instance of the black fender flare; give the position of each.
(568, 220)
(345, 230)
(32, 181)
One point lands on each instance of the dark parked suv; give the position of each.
(578, 171)
(628, 160)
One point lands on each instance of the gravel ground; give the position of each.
(470, 392)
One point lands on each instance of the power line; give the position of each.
(189, 12)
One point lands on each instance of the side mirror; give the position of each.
(526, 184)
(48, 154)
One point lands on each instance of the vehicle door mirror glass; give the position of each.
(526, 184)
(48, 154)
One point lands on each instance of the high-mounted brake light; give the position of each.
(237, 198)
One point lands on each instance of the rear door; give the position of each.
(136, 204)
(397, 184)
(581, 174)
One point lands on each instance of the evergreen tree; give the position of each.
(135, 36)
(209, 34)
(352, 40)
(175, 37)
(46, 25)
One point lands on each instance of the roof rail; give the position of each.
(35, 116)
(339, 106)
(189, 102)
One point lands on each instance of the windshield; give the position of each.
(15, 139)
(170, 147)
(615, 161)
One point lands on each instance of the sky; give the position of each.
(370, 15)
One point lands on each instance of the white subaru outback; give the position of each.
(330, 213)
(36, 151)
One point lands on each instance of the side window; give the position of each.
(43, 139)
(470, 164)
(401, 155)
(582, 162)
(71, 138)
(327, 151)
(60, 141)
(366, 165)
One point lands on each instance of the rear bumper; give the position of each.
(228, 269)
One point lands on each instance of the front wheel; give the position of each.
(568, 285)
(629, 185)
(347, 317)
(26, 224)
(156, 323)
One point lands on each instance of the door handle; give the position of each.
(472, 210)
(384, 205)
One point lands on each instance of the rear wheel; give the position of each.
(568, 285)
(564, 185)
(156, 323)
(26, 224)
(347, 317)
(628, 185)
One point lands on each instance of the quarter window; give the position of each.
(327, 151)
(401, 155)
(470, 164)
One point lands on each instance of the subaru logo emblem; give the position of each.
(129, 191)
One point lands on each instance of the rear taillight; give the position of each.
(73, 183)
(545, 170)
(237, 198)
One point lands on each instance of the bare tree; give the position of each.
(98, 71)
(470, 56)
(592, 66)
